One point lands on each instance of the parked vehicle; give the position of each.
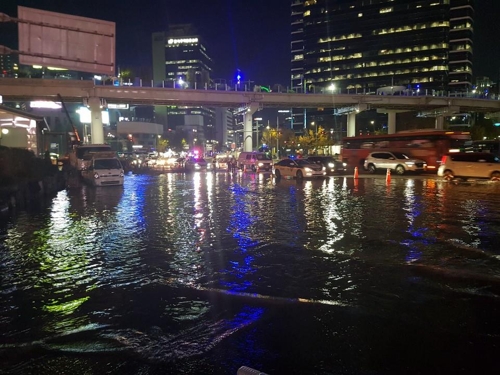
(195, 164)
(470, 165)
(298, 168)
(332, 166)
(80, 157)
(222, 161)
(104, 169)
(255, 161)
(396, 161)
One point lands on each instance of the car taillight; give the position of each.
(443, 159)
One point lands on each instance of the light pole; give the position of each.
(315, 136)
(257, 119)
(277, 138)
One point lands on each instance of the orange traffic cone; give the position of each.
(355, 172)
(388, 176)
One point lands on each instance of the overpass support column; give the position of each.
(351, 124)
(439, 122)
(97, 132)
(391, 122)
(248, 126)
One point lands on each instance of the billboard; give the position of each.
(66, 41)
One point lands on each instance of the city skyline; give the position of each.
(254, 39)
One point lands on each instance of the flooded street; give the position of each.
(203, 273)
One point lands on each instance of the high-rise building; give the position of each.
(181, 60)
(225, 128)
(8, 66)
(361, 46)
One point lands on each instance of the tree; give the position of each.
(162, 145)
(314, 139)
(483, 128)
(282, 137)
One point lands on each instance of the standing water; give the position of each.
(203, 273)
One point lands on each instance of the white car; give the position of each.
(396, 161)
(298, 168)
(470, 165)
(104, 171)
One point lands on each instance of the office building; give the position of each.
(181, 61)
(365, 46)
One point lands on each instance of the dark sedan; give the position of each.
(332, 166)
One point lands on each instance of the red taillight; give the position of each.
(443, 159)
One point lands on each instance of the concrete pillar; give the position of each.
(351, 124)
(439, 123)
(248, 127)
(391, 122)
(96, 130)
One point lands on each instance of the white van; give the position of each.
(470, 165)
(104, 169)
(255, 161)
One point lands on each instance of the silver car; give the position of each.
(396, 161)
(470, 165)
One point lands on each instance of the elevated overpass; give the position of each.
(12, 89)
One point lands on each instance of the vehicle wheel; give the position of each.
(277, 174)
(495, 176)
(400, 169)
(371, 168)
(300, 176)
(448, 175)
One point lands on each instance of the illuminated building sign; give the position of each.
(183, 41)
(117, 106)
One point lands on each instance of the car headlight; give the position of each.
(96, 175)
(409, 163)
(344, 164)
(261, 164)
(331, 165)
(121, 174)
(308, 169)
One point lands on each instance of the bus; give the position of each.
(488, 145)
(426, 144)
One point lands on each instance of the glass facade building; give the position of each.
(361, 46)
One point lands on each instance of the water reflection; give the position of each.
(214, 270)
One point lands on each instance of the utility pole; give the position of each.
(277, 137)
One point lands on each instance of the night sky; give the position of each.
(251, 35)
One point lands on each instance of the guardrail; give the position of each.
(287, 90)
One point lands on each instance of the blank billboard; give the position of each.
(66, 41)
